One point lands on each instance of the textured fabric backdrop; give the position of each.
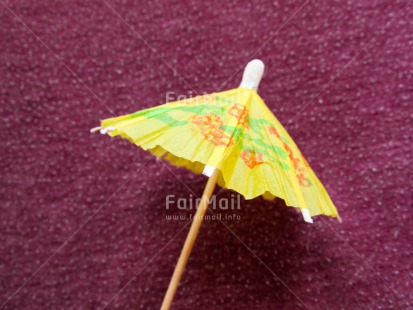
(83, 217)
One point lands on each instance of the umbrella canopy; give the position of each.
(235, 132)
(233, 138)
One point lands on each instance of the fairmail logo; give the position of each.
(192, 203)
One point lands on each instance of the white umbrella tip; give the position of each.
(257, 64)
(252, 74)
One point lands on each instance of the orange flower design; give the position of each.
(252, 158)
(210, 127)
(241, 113)
(298, 168)
(274, 132)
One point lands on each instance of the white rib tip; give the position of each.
(306, 215)
(208, 170)
(93, 130)
(106, 130)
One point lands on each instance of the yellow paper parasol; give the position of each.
(233, 138)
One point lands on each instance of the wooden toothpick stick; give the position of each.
(251, 79)
(190, 239)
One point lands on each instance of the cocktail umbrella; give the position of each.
(233, 138)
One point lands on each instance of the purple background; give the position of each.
(83, 216)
